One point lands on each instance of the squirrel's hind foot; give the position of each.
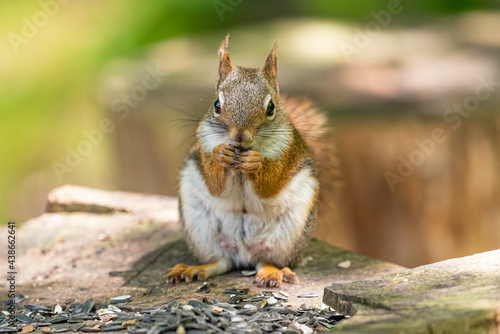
(269, 275)
(184, 273)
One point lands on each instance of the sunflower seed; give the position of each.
(248, 272)
(173, 305)
(24, 318)
(37, 308)
(254, 299)
(120, 299)
(206, 287)
(77, 328)
(235, 299)
(271, 301)
(236, 291)
(88, 306)
(308, 295)
(283, 293)
(59, 319)
(56, 309)
(15, 300)
(196, 303)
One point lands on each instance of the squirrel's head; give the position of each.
(247, 111)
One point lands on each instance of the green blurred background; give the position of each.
(55, 56)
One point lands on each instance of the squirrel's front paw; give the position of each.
(225, 155)
(249, 161)
(183, 273)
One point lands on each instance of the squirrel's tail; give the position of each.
(312, 126)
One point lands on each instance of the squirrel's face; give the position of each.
(246, 113)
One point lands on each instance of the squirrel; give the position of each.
(249, 188)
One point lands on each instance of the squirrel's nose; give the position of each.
(240, 136)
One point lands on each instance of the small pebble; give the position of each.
(344, 264)
(187, 307)
(250, 306)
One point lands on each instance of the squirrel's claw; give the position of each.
(250, 161)
(246, 161)
(225, 155)
(271, 276)
(183, 273)
(289, 276)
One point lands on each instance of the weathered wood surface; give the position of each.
(454, 296)
(101, 244)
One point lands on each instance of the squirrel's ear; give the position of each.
(225, 66)
(270, 69)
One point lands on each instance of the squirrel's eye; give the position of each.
(270, 109)
(217, 108)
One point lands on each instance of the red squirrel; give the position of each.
(249, 188)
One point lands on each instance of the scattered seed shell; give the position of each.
(28, 329)
(192, 317)
(131, 322)
(248, 272)
(120, 299)
(271, 301)
(344, 264)
(187, 307)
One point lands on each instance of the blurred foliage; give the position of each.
(48, 88)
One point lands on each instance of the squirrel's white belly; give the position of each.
(240, 225)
